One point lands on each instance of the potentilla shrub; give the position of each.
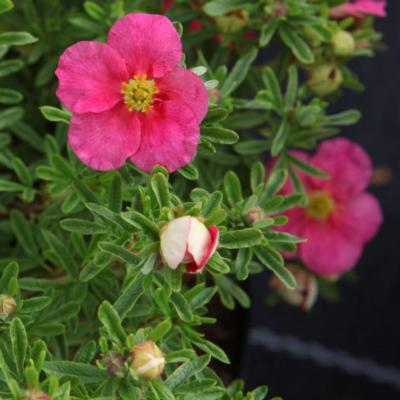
(154, 155)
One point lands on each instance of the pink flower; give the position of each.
(186, 240)
(340, 217)
(130, 99)
(359, 8)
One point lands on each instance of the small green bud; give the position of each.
(233, 22)
(7, 304)
(343, 43)
(147, 360)
(35, 394)
(324, 79)
(115, 364)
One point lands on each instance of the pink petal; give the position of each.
(182, 85)
(149, 44)
(90, 76)
(360, 218)
(212, 247)
(359, 8)
(348, 165)
(104, 141)
(170, 135)
(173, 241)
(327, 251)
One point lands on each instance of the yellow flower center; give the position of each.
(138, 93)
(320, 205)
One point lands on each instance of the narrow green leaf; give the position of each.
(214, 350)
(10, 96)
(54, 114)
(216, 115)
(252, 147)
(308, 168)
(159, 185)
(129, 296)
(115, 195)
(19, 343)
(8, 67)
(280, 138)
(160, 330)
(10, 116)
(242, 263)
(240, 239)
(298, 46)
(344, 118)
(22, 229)
(109, 317)
(273, 87)
(16, 38)
(267, 31)
(232, 188)
(141, 222)
(82, 226)
(292, 86)
(219, 135)
(182, 307)
(257, 175)
(189, 172)
(120, 252)
(85, 373)
(5, 5)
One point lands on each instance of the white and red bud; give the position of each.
(188, 241)
(7, 304)
(148, 361)
(35, 394)
(306, 292)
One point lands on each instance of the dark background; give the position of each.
(299, 355)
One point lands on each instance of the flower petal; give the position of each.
(359, 8)
(90, 76)
(360, 218)
(149, 44)
(182, 85)
(170, 135)
(348, 165)
(194, 267)
(327, 251)
(199, 240)
(173, 241)
(104, 141)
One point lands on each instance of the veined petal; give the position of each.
(90, 76)
(173, 241)
(149, 44)
(199, 240)
(170, 135)
(182, 85)
(104, 141)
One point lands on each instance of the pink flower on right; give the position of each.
(359, 8)
(341, 217)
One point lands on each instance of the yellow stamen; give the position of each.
(320, 205)
(138, 93)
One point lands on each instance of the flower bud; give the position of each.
(255, 214)
(7, 304)
(233, 22)
(115, 364)
(325, 79)
(35, 394)
(306, 292)
(343, 43)
(188, 241)
(147, 360)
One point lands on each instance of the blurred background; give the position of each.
(347, 350)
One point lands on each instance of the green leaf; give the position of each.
(275, 181)
(120, 252)
(273, 87)
(159, 185)
(8, 67)
(95, 11)
(182, 307)
(232, 188)
(267, 31)
(54, 114)
(227, 286)
(22, 171)
(308, 168)
(212, 203)
(109, 317)
(129, 296)
(141, 222)
(238, 73)
(85, 373)
(187, 370)
(82, 226)
(22, 229)
(19, 343)
(280, 138)
(216, 115)
(62, 252)
(214, 350)
(16, 38)
(240, 239)
(344, 118)
(5, 5)
(10, 271)
(274, 262)
(282, 237)
(10, 96)
(63, 313)
(161, 390)
(217, 265)
(8, 186)
(35, 304)
(257, 175)
(115, 195)
(160, 330)
(298, 46)
(242, 262)
(221, 7)
(189, 172)
(252, 147)
(292, 86)
(109, 216)
(219, 135)
(10, 116)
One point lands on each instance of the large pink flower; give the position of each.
(130, 99)
(359, 8)
(340, 217)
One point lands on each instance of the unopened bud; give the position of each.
(115, 364)
(35, 394)
(7, 304)
(147, 360)
(343, 43)
(256, 214)
(306, 292)
(233, 22)
(324, 79)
